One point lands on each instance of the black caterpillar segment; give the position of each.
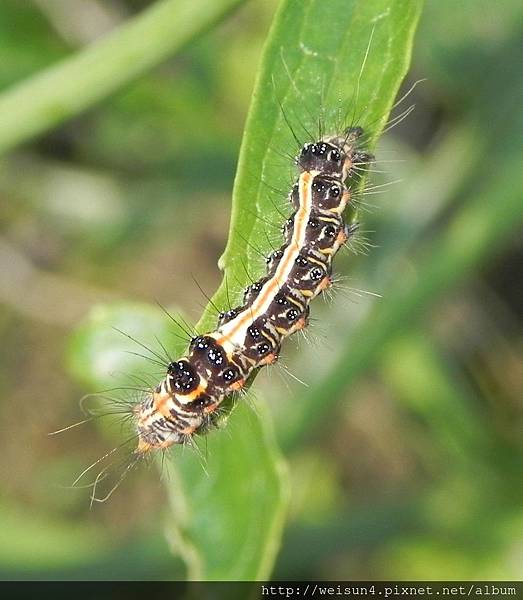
(274, 307)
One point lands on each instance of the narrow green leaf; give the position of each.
(65, 90)
(228, 504)
(339, 63)
(314, 56)
(334, 61)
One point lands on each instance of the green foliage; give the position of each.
(404, 450)
(227, 515)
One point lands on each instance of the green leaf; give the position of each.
(75, 84)
(338, 62)
(316, 53)
(228, 504)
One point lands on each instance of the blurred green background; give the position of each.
(414, 469)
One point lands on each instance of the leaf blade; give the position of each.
(234, 504)
(309, 70)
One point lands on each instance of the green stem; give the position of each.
(76, 83)
(427, 385)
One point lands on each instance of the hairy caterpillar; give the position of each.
(274, 307)
(189, 400)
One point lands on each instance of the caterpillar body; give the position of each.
(249, 336)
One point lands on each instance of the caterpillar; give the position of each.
(248, 337)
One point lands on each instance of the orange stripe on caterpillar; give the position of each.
(237, 326)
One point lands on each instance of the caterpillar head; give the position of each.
(335, 156)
